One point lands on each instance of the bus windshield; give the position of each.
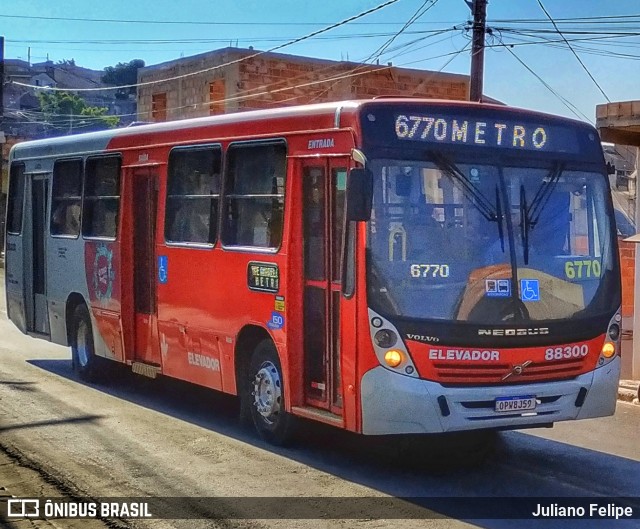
(488, 243)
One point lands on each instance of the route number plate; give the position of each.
(508, 404)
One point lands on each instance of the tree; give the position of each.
(69, 112)
(123, 74)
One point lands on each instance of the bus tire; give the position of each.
(265, 390)
(84, 360)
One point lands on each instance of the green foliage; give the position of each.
(123, 74)
(70, 112)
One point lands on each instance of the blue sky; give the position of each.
(431, 43)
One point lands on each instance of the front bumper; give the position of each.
(395, 404)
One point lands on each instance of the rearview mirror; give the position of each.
(359, 194)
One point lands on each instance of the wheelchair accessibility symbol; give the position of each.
(529, 290)
(163, 265)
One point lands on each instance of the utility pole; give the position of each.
(479, 10)
(1, 80)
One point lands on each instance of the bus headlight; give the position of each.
(614, 332)
(385, 338)
(389, 347)
(611, 345)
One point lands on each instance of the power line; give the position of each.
(348, 36)
(577, 20)
(573, 51)
(574, 110)
(32, 116)
(252, 56)
(419, 13)
(189, 22)
(569, 19)
(376, 54)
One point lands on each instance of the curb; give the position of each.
(629, 391)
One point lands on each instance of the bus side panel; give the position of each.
(14, 281)
(65, 275)
(103, 284)
(203, 304)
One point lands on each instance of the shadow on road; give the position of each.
(520, 465)
(52, 422)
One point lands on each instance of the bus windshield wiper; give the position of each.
(500, 217)
(543, 194)
(530, 215)
(524, 223)
(482, 203)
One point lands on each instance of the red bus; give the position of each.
(390, 266)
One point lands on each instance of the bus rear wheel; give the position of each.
(84, 360)
(266, 395)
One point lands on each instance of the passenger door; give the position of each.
(144, 204)
(323, 192)
(15, 254)
(34, 238)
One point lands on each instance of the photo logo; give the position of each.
(23, 508)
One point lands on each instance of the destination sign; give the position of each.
(484, 132)
(264, 277)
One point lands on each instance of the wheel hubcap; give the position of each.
(267, 392)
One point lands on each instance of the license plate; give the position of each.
(507, 404)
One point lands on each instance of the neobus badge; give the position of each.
(263, 277)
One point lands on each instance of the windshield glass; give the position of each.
(485, 243)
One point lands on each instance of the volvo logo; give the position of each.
(517, 370)
(423, 338)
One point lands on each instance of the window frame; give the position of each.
(226, 196)
(97, 198)
(75, 197)
(159, 113)
(11, 204)
(215, 233)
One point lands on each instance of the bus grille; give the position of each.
(469, 374)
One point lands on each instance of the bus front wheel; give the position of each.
(266, 395)
(83, 357)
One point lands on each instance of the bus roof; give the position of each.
(95, 141)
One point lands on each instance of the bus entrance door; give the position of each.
(144, 205)
(323, 190)
(35, 255)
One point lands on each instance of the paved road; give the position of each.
(137, 437)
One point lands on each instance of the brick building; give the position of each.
(234, 79)
(619, 122)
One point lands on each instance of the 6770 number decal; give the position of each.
(429, 270)
(582, 268)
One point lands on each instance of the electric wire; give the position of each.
(217, 67)
(572, 108)
(574, 52)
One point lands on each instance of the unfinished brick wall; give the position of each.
(235, 80)
(288, 80)
(627, 269)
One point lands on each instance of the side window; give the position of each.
(16, 199)
(254, 200)
(66, 198)
(193, 193)
(101, 197)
